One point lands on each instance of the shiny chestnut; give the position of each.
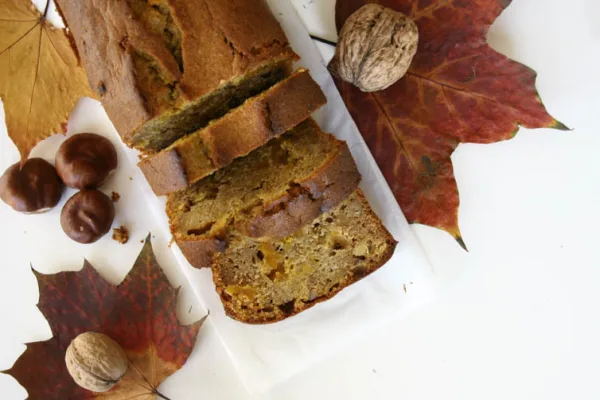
(86, 160)
(34, 187)
(87, 216)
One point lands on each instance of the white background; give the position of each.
(516, 318)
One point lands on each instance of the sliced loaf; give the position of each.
(263, 281)
(164, 68)
(242, 130)
(271, 192)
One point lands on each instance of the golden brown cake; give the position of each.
(263, 281)
(240, 131)
(271, 192)
(165, 68)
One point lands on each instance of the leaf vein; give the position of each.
(453, 109)
(70, 301)
(58, 52)
(429, 10)
(37, 71)
(397, 134)
(139, 372)
(451, 63)
(466, 92)
(18, 20)
(20, 38)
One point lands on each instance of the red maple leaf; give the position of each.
(457, 90)
(139, 314)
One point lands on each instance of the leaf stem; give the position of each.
(46, 9)
(318, 39)
(159, 394)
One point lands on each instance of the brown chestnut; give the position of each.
(87, 216)
(86, 160)
(34, 187)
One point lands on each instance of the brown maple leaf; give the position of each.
(139, 314)
(40, 75)
(458, 90)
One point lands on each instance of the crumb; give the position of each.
(142, 241)
(130, 178)
(115, 197)
(121, 235)
(404, 287)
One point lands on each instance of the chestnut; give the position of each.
(86, 160)
(87, 216)
(34, 187)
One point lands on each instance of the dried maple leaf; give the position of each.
(40, 76)
(458, 90)
(139, 314)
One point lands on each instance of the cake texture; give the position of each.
(236, 134)
(165, 68)
(270, 193)
(263, 281)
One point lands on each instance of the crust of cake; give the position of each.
(242, 130)
(150, 60)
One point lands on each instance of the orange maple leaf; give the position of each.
(40, 75)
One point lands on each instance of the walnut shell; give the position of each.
(375, 48)
(96, 362)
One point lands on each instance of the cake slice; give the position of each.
(165, 68)
(270, 193)
(242, 130)
(263, 281)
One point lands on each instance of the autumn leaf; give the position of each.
(40, 75)
(458, 90)
(139, 314)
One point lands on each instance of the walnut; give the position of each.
(96, 362)
(375, 48)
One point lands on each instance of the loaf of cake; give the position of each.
(165, 68)
(205, 90)
(240, 131)
(270, 193)
(263, 281)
